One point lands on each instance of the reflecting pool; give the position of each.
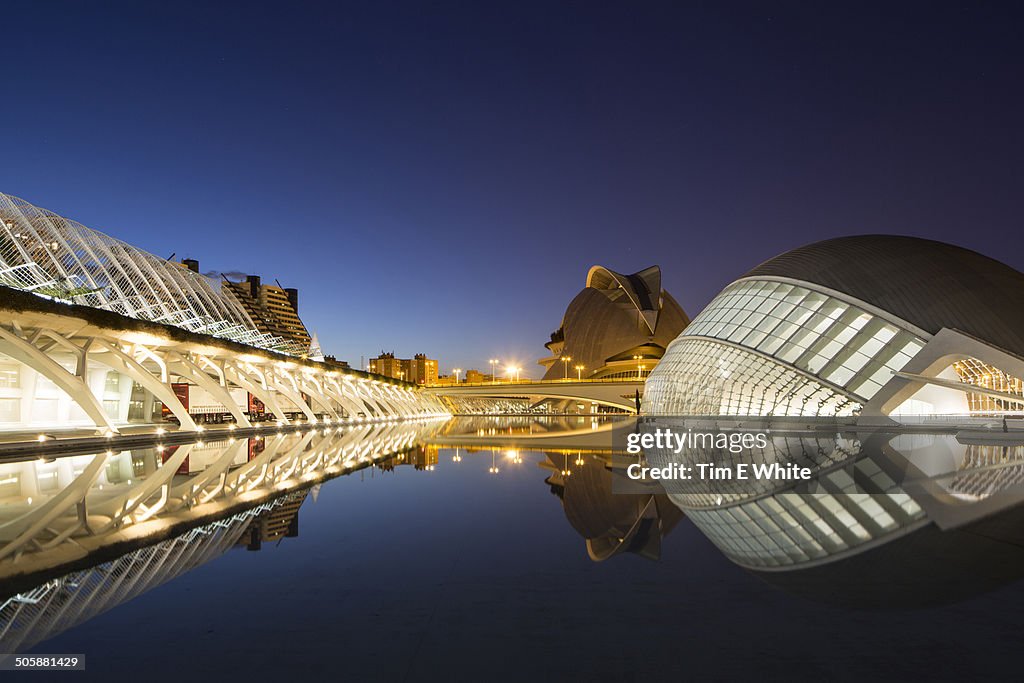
(499, 548)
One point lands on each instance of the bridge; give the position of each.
(614, 393)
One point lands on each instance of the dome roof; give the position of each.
(926, 283)
(617, 314)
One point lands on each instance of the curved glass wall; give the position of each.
(57, 258)
(810, 336)
(702, 377)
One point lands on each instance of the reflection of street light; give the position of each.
(565, 364)
(494, 362)
(640, 371)
(457, 371)
(456, 457)
(638, 359)
(494, 466)
(514, 457)
(579, 373)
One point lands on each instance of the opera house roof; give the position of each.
(614, 317)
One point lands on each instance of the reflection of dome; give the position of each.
(869, 325)
(611, 523)
(926, 568)
(615, 318)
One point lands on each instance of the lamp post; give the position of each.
(565, 364)
(579, 373)
(457, 371)
(513, 371)
(494, 363)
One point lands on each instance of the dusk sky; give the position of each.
(439, 177)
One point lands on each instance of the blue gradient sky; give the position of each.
(439, 177)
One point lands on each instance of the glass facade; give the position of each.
(701, 377)
(830, 356)
(975, 372)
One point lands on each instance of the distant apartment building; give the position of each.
(386, 364)
(273, 308)
(419, 369)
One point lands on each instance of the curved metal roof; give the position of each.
(643, 289)
(929, 284)
(597, 329)
(58, 258)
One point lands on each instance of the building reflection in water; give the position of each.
(277, 523)
(60, 603)
(888, 520)
(885, 520)
(610, 523)
(59, 513)
(422, 457)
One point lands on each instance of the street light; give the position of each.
(638, 359)
(513, 370)
(565, 363)
(579, 373)
(457, 371)
(494, 377)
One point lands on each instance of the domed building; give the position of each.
(873, 325)
(618, 326)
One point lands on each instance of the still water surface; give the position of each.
(431, 565)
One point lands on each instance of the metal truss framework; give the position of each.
(58, 258)
(88, 509)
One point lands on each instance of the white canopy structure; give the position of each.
(58, 258)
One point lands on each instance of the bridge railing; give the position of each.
(513, 382)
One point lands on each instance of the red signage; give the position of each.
(256, 406)
(168, 452)
(256, 446)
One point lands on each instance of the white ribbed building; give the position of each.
(856, 326)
